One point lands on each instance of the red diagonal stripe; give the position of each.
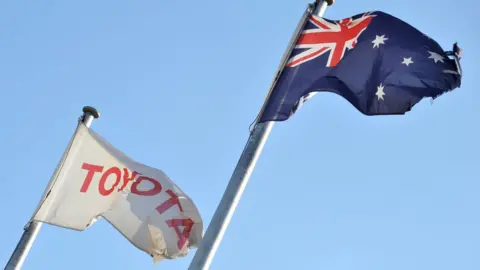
(307, 57)
(319, 23)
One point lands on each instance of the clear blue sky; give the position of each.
(179, 82)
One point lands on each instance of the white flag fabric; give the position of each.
(141, 202)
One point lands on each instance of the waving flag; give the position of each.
(377, 62)
(141, 202)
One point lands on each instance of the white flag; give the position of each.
(141, 202)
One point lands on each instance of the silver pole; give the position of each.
(238, 181)
(33, 227)
(322, 6)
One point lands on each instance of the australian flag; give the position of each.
(379, 63)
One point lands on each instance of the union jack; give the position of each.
(326, 36)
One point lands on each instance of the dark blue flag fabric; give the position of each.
(379, 63)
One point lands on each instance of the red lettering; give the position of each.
(127, 178)
(157, 188)
(92, 169)
(182, 236)
(171, 202)
(101, 186)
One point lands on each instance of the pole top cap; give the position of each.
(329, 2)
(92, 111)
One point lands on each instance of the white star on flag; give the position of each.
(379, 40)
(380, 92)
(435, 56)
(407, 61)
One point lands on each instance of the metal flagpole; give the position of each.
(238, 181)
(33, 227)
